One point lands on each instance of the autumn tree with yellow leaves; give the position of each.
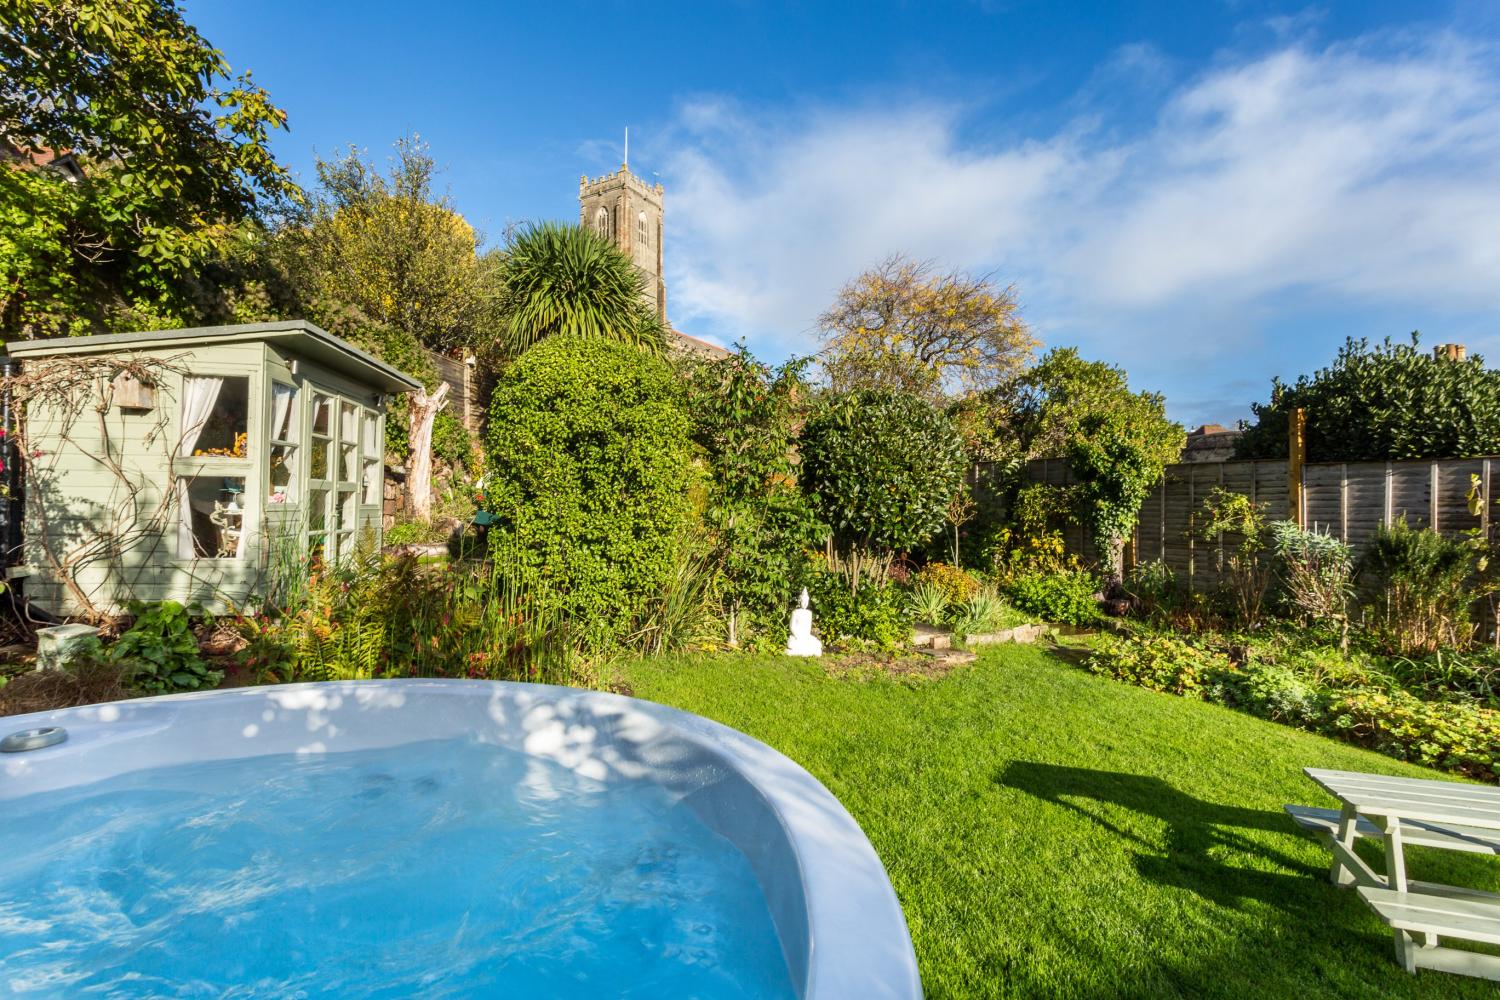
(903, 325)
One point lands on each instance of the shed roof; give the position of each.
(306, 339)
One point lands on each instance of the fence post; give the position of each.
(1296, 458)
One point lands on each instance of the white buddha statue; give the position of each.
(802, 642)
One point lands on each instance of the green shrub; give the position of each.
(874, 614)
(1416, 590)
(759, 523)
(452, 442)
(957, 585)
(1316, 573)
(407, 533)
(1237, 528)
(1157, 662)
(1279, 692)
(588, 481)
(1443, 718)
(1063, 598)
(1155, 589)
(881, 468)
(161, 651)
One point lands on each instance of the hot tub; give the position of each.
(442, 838)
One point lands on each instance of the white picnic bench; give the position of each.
(1413, 811)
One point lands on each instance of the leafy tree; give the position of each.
(568, 280)
(1386, 402)
(882, 467)
(390, 259)
(745, 417)
(393, 248)
(901, 326)
(590, 466)
(174, 152)
(1117, 443)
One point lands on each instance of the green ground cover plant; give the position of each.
(1055, 834)
(1439, 710)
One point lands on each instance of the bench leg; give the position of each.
(1340, 875)
(1406, 951)
(1395, 857)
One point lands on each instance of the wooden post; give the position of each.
(1296, 458)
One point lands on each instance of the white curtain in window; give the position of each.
(282, 397)
(198, 397)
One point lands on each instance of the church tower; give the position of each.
(627, 211)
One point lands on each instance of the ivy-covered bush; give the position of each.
(1066, 598)
(881, 467)
(589, 474)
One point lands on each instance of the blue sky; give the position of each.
(1207, 194)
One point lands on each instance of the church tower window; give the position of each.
(642, 232)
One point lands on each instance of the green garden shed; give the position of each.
(200, 465)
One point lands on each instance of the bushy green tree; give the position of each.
(392, 246)
(174, 151)
(561, 280)
(589, 472)
(881, 467)
(1383, 402)
(1117, 443)
(745, 416)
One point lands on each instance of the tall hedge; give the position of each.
(588, 478)
(1384, 401)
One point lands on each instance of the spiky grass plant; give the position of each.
(570, 281)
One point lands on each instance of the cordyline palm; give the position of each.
(561, 279)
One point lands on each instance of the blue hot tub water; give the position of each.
(439, 869)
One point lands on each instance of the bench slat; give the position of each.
(1451, 837)
(1466, 789)
(1446, 916)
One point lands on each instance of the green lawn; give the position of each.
(1051, 833)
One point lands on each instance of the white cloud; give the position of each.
(1350, 174)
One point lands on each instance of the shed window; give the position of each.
(215, 416)
(322, 436)
(285, 421)
(211, 521)
(372, 476)
(348, 442)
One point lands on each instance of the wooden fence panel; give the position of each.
(1348, 500)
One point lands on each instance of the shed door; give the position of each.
(333, 477)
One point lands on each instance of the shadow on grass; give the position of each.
(1311, 939)
(1195, 831)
